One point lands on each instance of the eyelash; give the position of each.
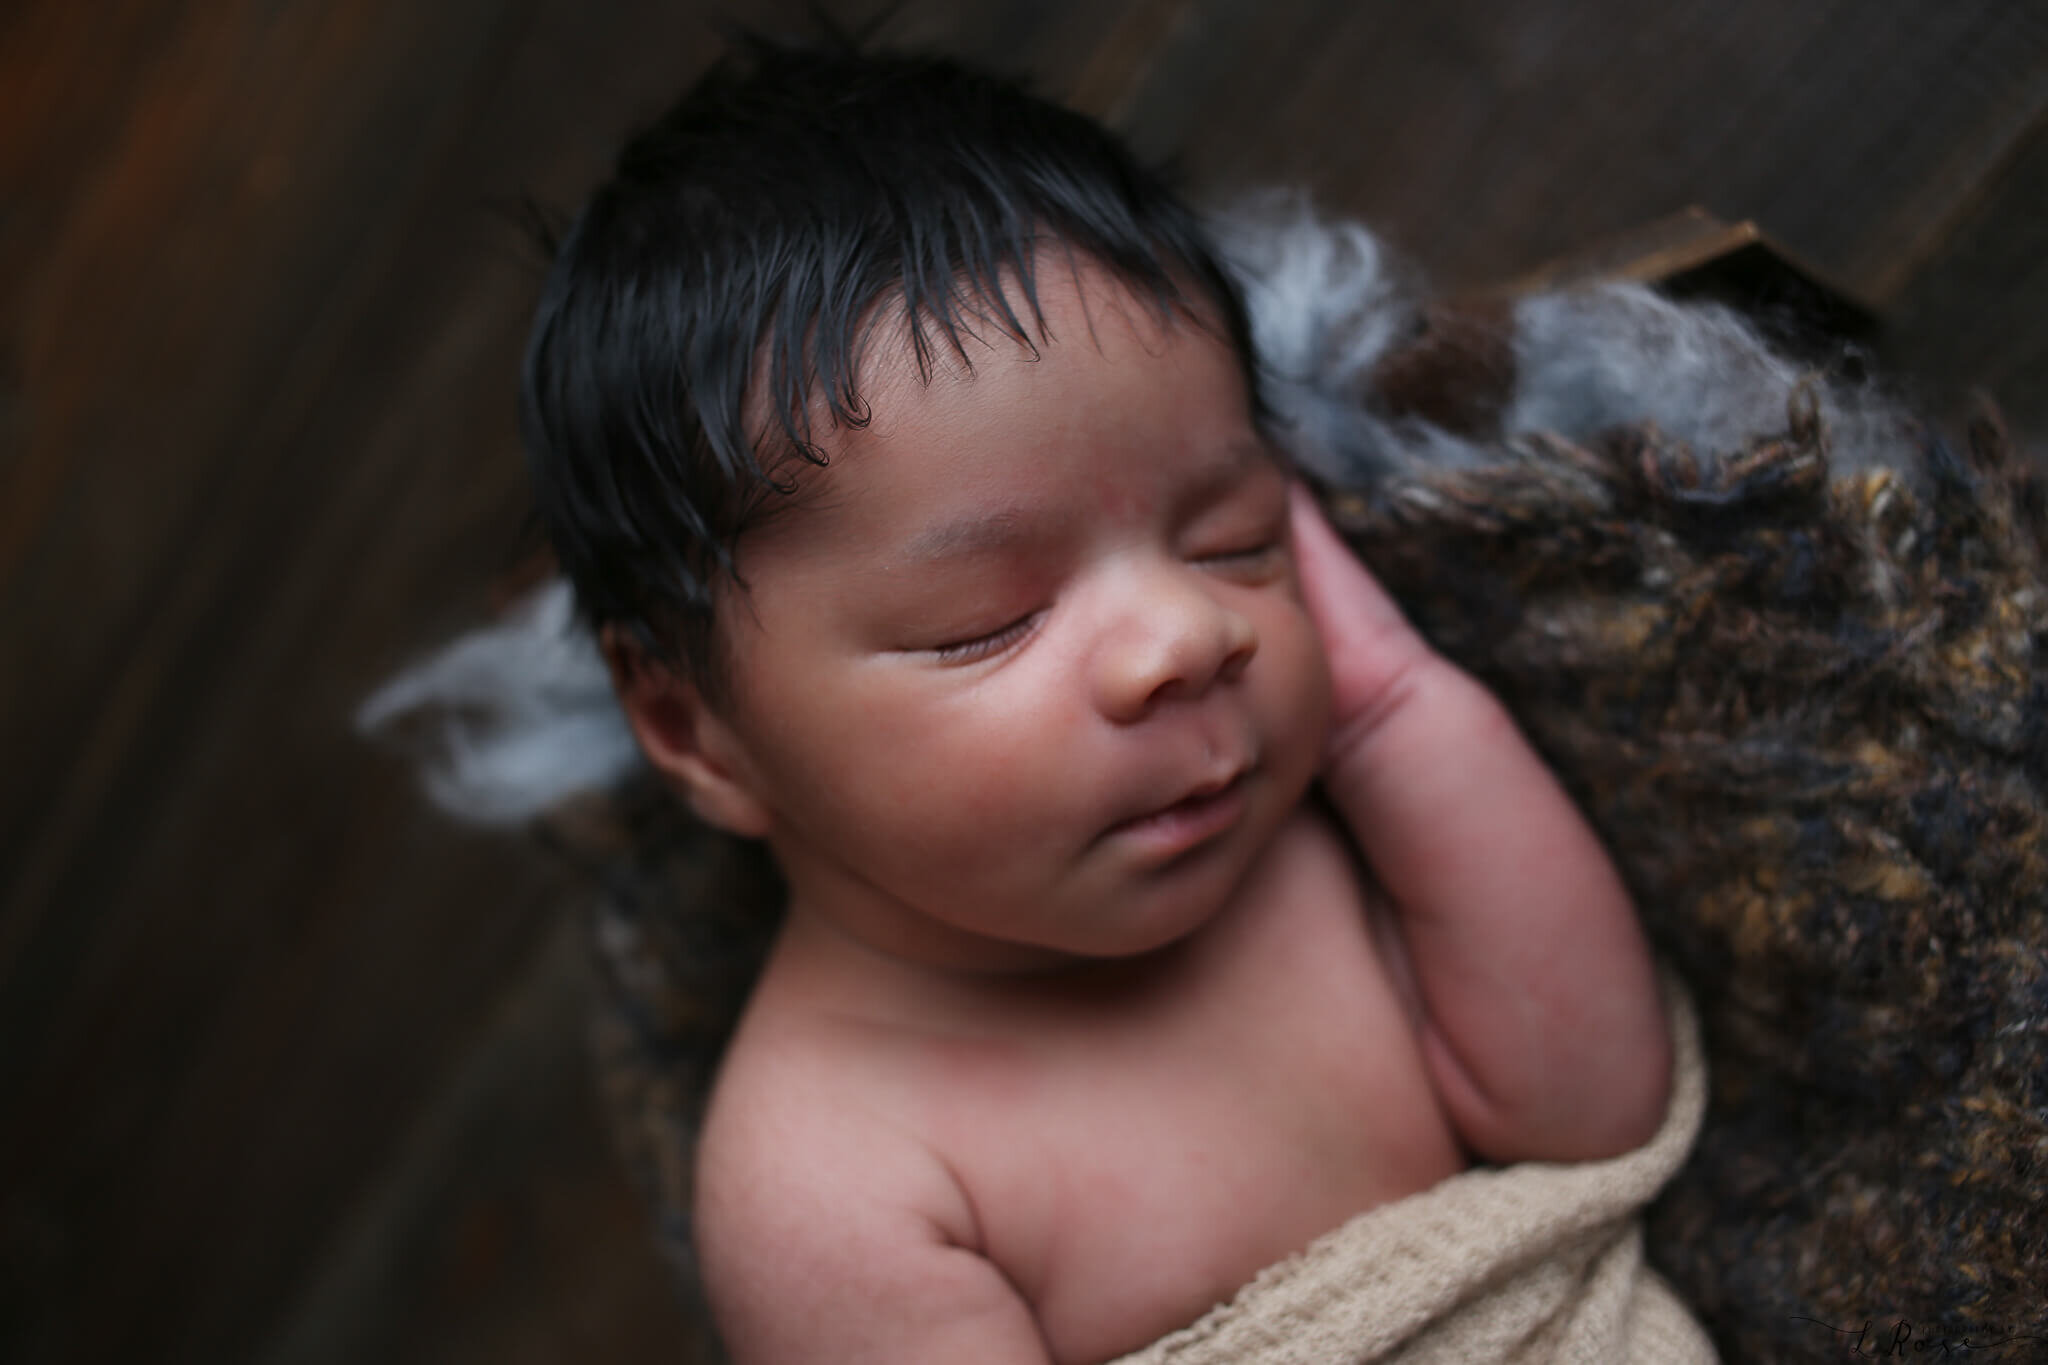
(1249, 554)
(996, 641)
(1246, 551)
(986, 646)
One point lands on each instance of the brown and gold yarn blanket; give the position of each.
(1806, 715)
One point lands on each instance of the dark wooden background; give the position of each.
(291, 1068)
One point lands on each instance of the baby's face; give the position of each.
(1026, 675)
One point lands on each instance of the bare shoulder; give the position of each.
(829, 1230)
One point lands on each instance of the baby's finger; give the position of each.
(1369, 642)
(1345, 599)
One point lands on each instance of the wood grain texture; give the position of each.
(260, 309)
(505, 1185)
(1972, 319)
(1490, 137)
(265, 353)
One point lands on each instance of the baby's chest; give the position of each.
(1128, 1186)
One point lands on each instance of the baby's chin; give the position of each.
(1208, 884)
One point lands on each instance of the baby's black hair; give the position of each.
(748, 236)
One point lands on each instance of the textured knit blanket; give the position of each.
(1807, 714)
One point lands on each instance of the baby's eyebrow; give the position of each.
(1221, 470)
(1215, 473)
(996, 530)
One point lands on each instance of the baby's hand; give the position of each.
(1370, 645)
(1542, 1025)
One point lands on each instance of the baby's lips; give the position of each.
(1202, 810)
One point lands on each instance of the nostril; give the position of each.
(1221, 658)
(1172, 648)
(1244, 643)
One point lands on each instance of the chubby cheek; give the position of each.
(929, 774)
(1003, 756)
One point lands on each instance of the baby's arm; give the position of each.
(1543, 1027)
(844, 1244)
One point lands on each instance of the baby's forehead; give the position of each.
(1005, 375)
(1067, 300)
(848, 363)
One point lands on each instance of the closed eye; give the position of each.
(986, 646)
(1246, 532)
(1256, 557)
(1247, 552)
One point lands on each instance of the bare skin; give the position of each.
(1086, 1010)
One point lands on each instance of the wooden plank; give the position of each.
(65, 94)
(178, 324)
(503, 1231)
(1976, 316)
(1488, 137)
(241, 952)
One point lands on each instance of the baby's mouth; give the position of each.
(1195, 819)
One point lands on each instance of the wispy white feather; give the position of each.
(511, 719)
(1597, 356)
(1326, 306)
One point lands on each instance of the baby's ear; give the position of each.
(685, 739)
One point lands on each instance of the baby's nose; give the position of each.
(1174, 642)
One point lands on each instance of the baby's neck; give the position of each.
(836, 967)
(924, 948)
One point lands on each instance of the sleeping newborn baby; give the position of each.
(1159, 902)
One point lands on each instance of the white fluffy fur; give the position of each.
(1598, 356)
(1325, 306)
(512, 719)
(515, 718)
